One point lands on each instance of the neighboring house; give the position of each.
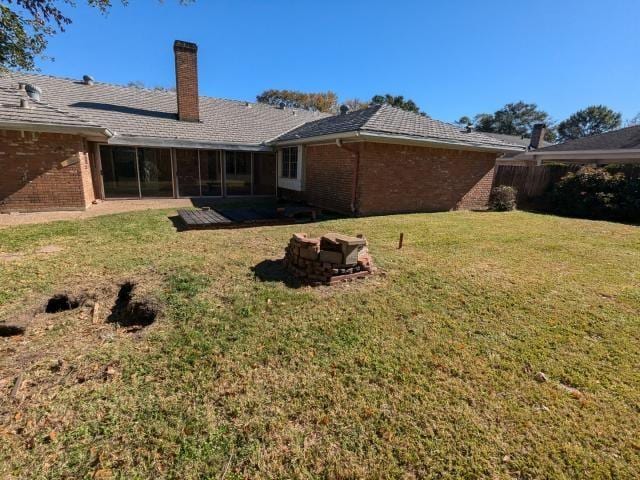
(68, 143)
(618, 146)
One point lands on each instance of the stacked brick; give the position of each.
(329, 259)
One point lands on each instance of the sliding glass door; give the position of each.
(199, 173)
(188, 173)
(130, 172)
(154, 167)
(211, 173)
(264, 173)
(119, 172)
(238, 173)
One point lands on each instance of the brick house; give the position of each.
(66, 143)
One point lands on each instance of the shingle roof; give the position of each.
(385, 119)
(136, 112)
(623, 139)
(523, 142)
(37, 113)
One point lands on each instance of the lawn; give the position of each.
(430, 369)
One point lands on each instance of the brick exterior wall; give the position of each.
(401, 178)
(397, 178)
(329, 172)
(34, 177)
(187, 80)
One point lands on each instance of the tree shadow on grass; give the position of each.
(274, 271)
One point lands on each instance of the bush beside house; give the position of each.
(607, 193)
(503, 198)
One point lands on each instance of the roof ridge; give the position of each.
(434, 121)
(595, 135)
(158, 91)
(377, 107)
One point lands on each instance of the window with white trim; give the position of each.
(289, 167)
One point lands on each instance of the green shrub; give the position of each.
(600, 193)
(503, 199)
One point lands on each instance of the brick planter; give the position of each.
(329, 259)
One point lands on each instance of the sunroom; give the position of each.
(129, 172)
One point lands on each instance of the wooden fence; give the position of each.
(531, 181)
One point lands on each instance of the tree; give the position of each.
(396, 101)
(464, 121)
(590, 121)
(355, 104)
(633, 122)
(25, 26)
(158, 88)
(321, 101)
(514, 119)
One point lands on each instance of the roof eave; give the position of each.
(160, 142)
(397, 139)
(539, 157)
(434, 142)
(53, 128)
(315, 139)
(583, 153)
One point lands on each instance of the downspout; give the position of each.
(354, 188)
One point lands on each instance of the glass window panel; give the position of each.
(119, 172)
(264, 174)
(211, 173)
(285, 163)
(289, 162)
(238, 173)
(293, 162)
(187, 173)
(155, 172)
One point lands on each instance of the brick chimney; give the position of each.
(537, 135)
(186, 54)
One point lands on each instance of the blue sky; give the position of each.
(452, 57)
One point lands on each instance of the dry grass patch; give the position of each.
(428, 371)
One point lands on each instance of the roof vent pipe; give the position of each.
(24, 103)
(344, 109)
(87, 80)
(33, 92)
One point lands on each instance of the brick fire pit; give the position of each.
(329, 259)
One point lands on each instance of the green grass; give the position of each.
(424, 371)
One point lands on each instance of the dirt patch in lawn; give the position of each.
(49, 345)
(132, 310)
(11, 330)
(61, 302)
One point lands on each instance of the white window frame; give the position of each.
(291, 183)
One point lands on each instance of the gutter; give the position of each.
(450, 144)
(175, 143)
(581, 156)
(330, 138)
(48, 128)
(398, 139)
(354, 188)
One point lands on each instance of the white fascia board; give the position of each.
(396, 139)
(586, 154)
(319, 138)
(431, 142)
(175, 143)
(66, 129)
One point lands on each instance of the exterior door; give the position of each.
(238, 173)
(119, 172)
